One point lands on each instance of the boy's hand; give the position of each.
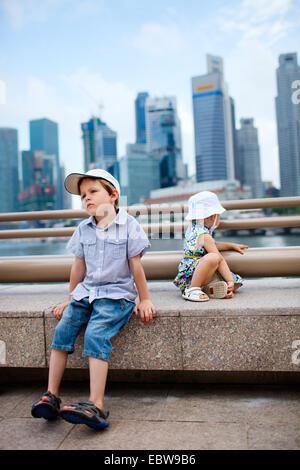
(146, 310)
(239, 248)
(57, 310)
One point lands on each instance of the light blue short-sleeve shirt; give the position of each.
(106, 253)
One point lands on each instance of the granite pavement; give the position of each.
(159, 417)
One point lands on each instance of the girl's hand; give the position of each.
(146, 310)
(57, 310)
(239, 248)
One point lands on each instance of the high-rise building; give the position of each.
(9, 174)
(100, 144)
(249, 157)
(38, 181)
(139, 174)
(212, 110)
(140, 117)
(234, 141)
(163, 136)
(288, 125)
(44, 136)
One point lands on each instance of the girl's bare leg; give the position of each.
(205, 270)
(58, 362)
(98, 375)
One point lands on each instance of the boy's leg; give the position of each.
(58, 362)
(98, 375)
(107, 318)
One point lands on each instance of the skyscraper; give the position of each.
(139, 174)
(9, 176)
(100, 144)
(288, 125)
(249, 157)
(44, 136)
(213, 124)
(38, 181)
(163, 136)
(140, 117)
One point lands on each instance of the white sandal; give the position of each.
(193, 294)
(216, 289)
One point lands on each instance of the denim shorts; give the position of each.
(103, 317)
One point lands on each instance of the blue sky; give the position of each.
(61, 59)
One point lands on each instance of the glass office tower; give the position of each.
(100, 144)
(249, 157)
(44, 136)
(9, 175)
(140, 117)
(163, 137)
(288, 125)
(213, 124)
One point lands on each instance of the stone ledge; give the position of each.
(255, 331)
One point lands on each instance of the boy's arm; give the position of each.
(77, 274)
(145, 307)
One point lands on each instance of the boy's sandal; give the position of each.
(216, 289)
(47, 407)
(194, 294)
(85, 412)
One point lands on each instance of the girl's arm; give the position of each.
(77, 274)
(223, 268)
(225, 246)
(145, 307)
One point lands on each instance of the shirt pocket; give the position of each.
(89, 248)
(117, 249)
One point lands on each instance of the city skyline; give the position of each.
(68, 85)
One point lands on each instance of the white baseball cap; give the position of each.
(203, 205)
(72, 180)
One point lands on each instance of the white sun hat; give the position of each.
(72, 180)
(203, 205)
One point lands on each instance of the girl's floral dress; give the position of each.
(192, 254)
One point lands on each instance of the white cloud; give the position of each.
(257, 19)
(159, 40)
(21, 12)
(2, 92)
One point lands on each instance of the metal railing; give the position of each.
(256, 262)
(157, 209)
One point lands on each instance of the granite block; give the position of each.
(24, 341)
(240, 343)
(155, 345)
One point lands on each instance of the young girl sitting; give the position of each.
(203, 272)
